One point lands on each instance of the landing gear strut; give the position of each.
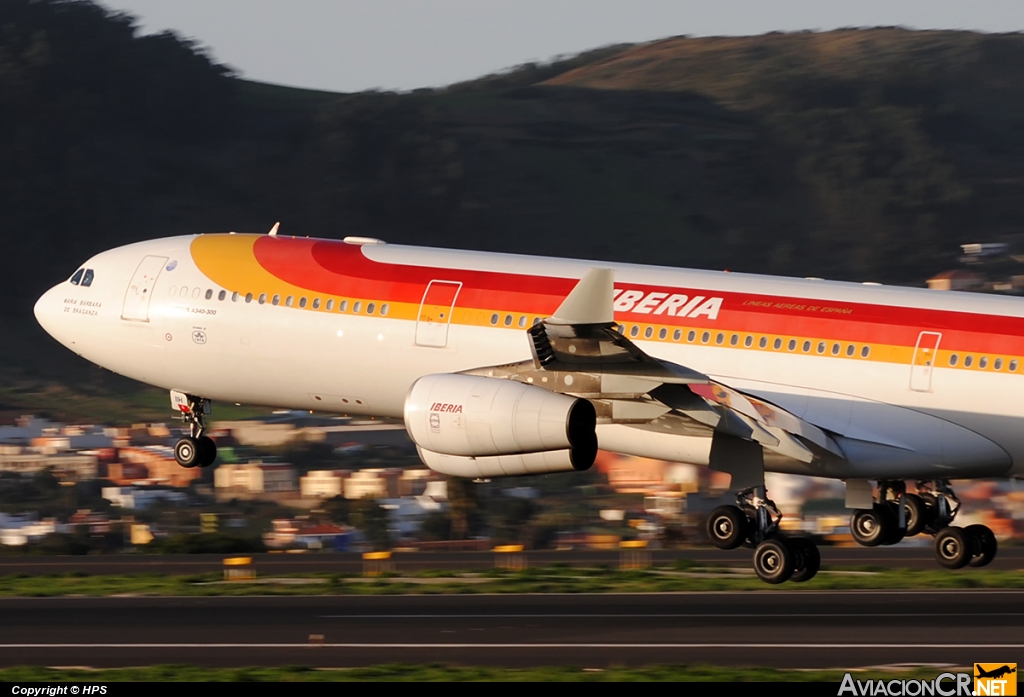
(932, 510)
(754, 521)
(195, 449)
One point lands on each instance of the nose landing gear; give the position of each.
(195, 449)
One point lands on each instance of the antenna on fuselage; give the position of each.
(273, 230)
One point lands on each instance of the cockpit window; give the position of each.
(77, 278)
(87, 278)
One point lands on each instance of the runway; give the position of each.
(906, 555)
(804, 629)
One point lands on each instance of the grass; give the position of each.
(535, 580)
(445, 673)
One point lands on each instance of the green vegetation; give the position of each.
(445, 673)
(551, 579)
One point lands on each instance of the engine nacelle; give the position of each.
(508, 465)
(472, 416)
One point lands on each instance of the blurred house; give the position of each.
(140, 499)
(957, 279)
(255, 478)
(150, 464)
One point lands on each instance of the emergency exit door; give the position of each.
(140, 289)
(436, 313)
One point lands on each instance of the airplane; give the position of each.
(504, 365)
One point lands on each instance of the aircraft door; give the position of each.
(140, 289)
(436, 313)
(921, 367)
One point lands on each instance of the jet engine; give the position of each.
(472, 426)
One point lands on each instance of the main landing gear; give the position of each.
(897, 514)
(754, 521)
(195, 449)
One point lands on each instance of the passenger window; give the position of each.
(384, 310)
(835, 349)
(508, 320)
(343, 306)
(983, 363)
(1013, 366)
(954, 359)
(705, 337)
(677, 335)
(649, 332)
(734, 340)
(663, 334)
(330, 305)
(692, 336)
(234, 297)
(494, 318)
(77, 278)
(302, 302)
(865, 352)
(87, 278)
(221, 295)
(634, 331)
(764, 342)
(850, 350)
(749, 341)
(807, 346)
(276, 300)
(821, 347)
(792, 344)
(263, 298)
(370, 307)
(357, 306)
(999, 364)
(289, 301)
(720, 338)
(777, 344)
(522, 321)
(316, 303)
(248, 297)
(209, 293)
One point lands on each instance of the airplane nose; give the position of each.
(46, 309)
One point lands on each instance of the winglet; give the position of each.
(590, 302)
(273, 230)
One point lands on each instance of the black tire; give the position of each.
(186, 452)
(727, 527)
(985, 545)
(917, 513)
(890, 510)
(806, 559)
(773, 561)
(207, 450)
(953, 547)
(871, 527)
(931, 524)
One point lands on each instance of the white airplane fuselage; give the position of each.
(916, 383)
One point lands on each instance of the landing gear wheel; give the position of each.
(872, 527)
(727, 527)
(985, 545)
(953, 547)
(806, 559)
(773, 562)
(895, 532)
(918, 514)
(186, 452)
(207, 451)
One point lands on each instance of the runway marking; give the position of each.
(514, 646)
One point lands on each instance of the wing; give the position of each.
(580, 351)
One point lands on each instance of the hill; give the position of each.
(859, 154)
